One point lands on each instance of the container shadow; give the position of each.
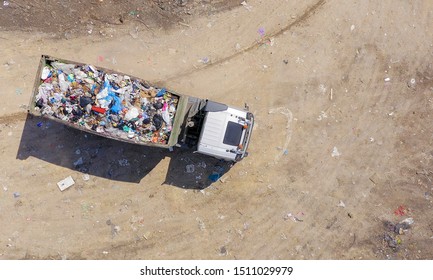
(115, 160)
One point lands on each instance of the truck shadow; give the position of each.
(115, 160)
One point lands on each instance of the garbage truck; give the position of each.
(129, 109)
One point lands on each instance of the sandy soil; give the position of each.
(341, 91)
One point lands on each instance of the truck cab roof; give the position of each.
(224, 132)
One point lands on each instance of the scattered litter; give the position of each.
(5, 189)
(407, 221)
(299, 60)
(400, 211)
(286, 152)
(201, 225)
(6, 3)
(95, 100)
(17, 194)
(114, 229)
(390, 241)
(65, 183)
(387, 79)
(78, 162)
(395, 230)
(412, 83)
(352, 27)
(248, 7)
(214, 176)
(86, 177)
(322, 88)
(261, 31)
(238, 46)
(100, 58)
(105, 252)
(77, 151)
(39, 124)
(285, 61)
(18, 91)
(341, 204)
(123, 162)
(335, 152)
(291, 216)
(204, 60)
(190, 168)
(322, 116)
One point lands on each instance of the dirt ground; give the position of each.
(340, 153)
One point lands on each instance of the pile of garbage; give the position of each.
(110, 104)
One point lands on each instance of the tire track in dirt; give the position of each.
(13, 118)
(305, 16)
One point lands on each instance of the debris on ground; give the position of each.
(214, 176)
(17, 194)
(190, 168)
(109, 104)
(114, 228)
(335, 152)
(392, 237)
(400, 211)
(86, 177)
(341, 204)
(392, 243)
(201, 224)
(246, 6)
(65, 183)
(293, 217)
(261, 31)
(78, 162)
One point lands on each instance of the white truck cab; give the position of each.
(225, 132)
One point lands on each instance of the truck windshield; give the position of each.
(233, 134)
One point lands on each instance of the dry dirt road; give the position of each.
(342, 92)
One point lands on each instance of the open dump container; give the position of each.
(107, 103)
